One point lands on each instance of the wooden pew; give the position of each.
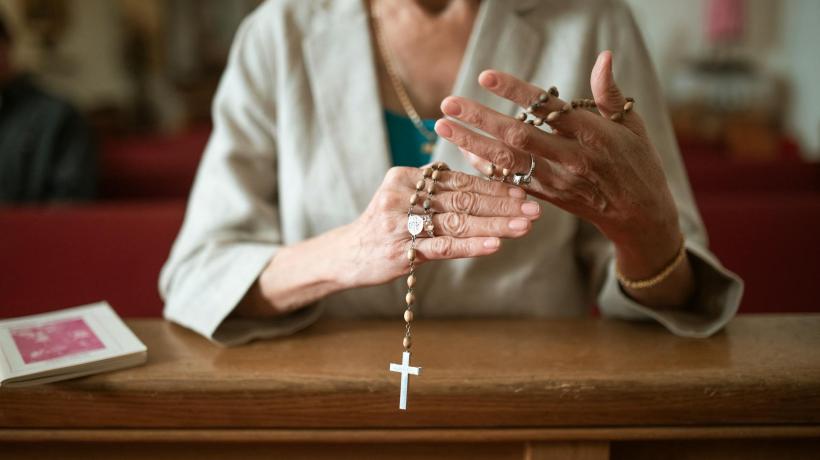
(500, 389)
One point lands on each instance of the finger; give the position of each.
(519, 136)
(484, 206)
(465, 225)
(448, 247)
(496, 152)
(449, 180)
(457, 181)
(478, 163)
(608, 97)
(556, 112)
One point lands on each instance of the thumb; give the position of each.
(607, 95)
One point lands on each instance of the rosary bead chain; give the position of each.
(433, 173)
(410, 297)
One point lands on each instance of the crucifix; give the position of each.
(405, 369)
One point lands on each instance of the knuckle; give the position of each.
(444, 247)
(562, 184)
(474, 117)
(589, 139)
(386, 200)
(580, 167)
(517, 136)
(507, 208)
(505, 158)
(393, 175)
(455, 224)
(387, 226)
(463, 202)
(467, 141)
(460, 181)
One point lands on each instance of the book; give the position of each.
(66, 344)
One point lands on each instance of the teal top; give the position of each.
(405, 140)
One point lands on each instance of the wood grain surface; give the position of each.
(760, 371)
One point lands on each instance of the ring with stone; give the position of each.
(525, 179)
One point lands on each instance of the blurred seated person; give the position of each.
(325, 113)
(46, 152)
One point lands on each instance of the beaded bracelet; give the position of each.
(415, 224)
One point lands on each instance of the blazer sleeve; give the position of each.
(231, 228)
(718, 291)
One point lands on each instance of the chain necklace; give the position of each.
(401, 91)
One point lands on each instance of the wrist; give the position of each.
(307, 271)
(643, 253)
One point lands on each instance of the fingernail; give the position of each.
(530, 208)
(518, 224)
(443, 129)
(516, 192)
(451, 108)
(488, 80)
(491, 243)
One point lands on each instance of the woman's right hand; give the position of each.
(470, 216)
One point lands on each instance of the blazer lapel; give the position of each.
(339, 56)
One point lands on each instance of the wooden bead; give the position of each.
(408, 316)
(410, 298)
(521, 116)
(628, 106)
(441, 166)
(411, 281)
(414, 199)
(553, 116)
(528, 109)
(420, 184)
(575, 104)
(407, 343)
(427, 172)
(491, 170)
(554, 91)
(630, 99)
(566, 108)
(617, 116)
(538, 121)
(543, 97)
(505, 172)
(427, 204)
(535, 106)
(411, 254)
(431, 188)
(436, 174)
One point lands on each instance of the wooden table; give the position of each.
(579, 389)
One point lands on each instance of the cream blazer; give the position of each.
(299, 147)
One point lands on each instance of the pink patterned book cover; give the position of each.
(55, 339)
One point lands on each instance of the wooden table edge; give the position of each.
(409, 435)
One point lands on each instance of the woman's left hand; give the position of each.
(603, 171)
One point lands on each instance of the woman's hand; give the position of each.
(471, 214)
(605, 172)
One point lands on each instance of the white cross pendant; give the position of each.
(405, 369)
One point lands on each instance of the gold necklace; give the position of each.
(401, 92)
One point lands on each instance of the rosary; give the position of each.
(417, 223)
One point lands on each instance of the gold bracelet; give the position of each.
(657, 279)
